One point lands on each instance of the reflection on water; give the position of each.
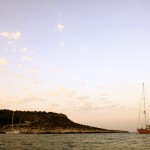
(107, 141)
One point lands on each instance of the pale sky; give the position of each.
(84, 58)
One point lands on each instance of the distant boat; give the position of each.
(13, 131)
(145, 128)
(12, 126)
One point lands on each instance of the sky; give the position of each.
(84, 58)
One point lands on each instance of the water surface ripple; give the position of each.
(107, 141)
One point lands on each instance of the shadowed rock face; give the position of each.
(44, 122)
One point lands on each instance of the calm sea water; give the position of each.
(107, 141)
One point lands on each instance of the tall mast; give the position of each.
(144, 105)
(12, 120)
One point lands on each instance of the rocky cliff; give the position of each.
(44, 122)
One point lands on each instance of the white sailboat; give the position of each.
(12, 126)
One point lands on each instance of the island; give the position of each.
(41, 122)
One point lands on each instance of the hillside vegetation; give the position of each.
(43, 122)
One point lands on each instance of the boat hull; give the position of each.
(143, 131)
(13, 132)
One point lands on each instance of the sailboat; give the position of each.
(145, 129)
(12, 126)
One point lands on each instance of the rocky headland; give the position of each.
(41, 122)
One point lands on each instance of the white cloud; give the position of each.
(11, 35)
(62, 44)
(26, 58)
(3, 61)
(59, 27)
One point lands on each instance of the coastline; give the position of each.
(64, 131)
(33, 122)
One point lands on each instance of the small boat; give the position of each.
(145, 128)
(12, 126)
(13, 131)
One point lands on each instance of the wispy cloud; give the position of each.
(11, 35)
(62, 91)
(17, 76)
(53, 69)
(29, 98)
(139, 32)
(3, 61)
(18, 66)
(62, 44)
(36, 81)
(33, 76)
(81, 105)
(1, 69)
(33, 72)
(69, 93)
(24, 49)
(123, 14)
(113, 106)
(26, 58)
(85, 49)
(52, 107)
(82, 83)
(107, 104)
(83, 97)
(59, 27)
(10, 100)
(88, 107)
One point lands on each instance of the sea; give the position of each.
(94, 141)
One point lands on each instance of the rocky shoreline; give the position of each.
(66, 131)
(62, 131)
